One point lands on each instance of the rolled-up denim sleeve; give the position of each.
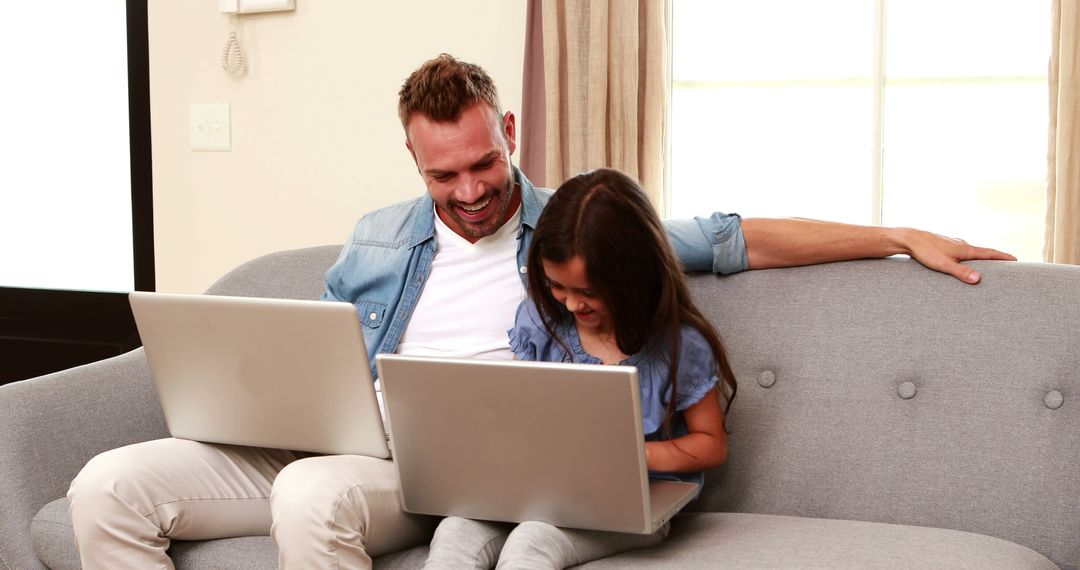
(714, 243)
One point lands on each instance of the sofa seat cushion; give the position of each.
(697, 540)
(741, 540)
(54, 543)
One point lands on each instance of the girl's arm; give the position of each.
(703, 447)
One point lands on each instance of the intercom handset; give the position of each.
(232, 55)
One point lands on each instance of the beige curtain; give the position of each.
(1063, 164)
(595, 89)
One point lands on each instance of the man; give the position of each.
(438, 275)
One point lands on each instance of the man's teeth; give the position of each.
(477, 207)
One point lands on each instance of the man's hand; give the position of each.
(944, 254)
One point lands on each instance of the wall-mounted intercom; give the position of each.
(232, 56)
(252, 6)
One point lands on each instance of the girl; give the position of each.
(605, 287)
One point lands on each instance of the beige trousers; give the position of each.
(333, 511)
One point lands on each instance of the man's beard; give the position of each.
(500, 204)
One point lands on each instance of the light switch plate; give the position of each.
(209, 126)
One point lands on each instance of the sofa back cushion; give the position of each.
(291, 274)
(880, 391)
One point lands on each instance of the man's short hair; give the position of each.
(443, 88)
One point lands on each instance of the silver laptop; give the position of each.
(271, 373)
(516, 441)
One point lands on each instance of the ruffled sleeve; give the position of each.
(697, 368)
(697, 375)
(529, 340)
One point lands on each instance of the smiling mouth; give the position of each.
(475, 210)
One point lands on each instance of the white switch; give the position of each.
(209, 126)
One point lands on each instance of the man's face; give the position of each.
(466, 167)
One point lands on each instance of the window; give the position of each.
(922, 113)
(76, 220)
(75, 159)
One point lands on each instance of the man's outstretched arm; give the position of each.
(788, 242)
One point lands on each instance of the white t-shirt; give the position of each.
(470, 298)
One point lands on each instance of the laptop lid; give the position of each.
(275, 373)
(516, 441)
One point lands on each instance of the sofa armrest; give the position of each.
(52, 425)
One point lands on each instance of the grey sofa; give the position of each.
(887, 417)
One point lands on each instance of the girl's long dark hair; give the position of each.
(604, 216)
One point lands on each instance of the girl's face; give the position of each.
(570, 287)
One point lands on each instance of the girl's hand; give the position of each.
(703, 447)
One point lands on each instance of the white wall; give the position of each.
(315, 137)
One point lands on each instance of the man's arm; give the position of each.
(795, 241)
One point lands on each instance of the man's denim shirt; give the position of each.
(383, 267)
